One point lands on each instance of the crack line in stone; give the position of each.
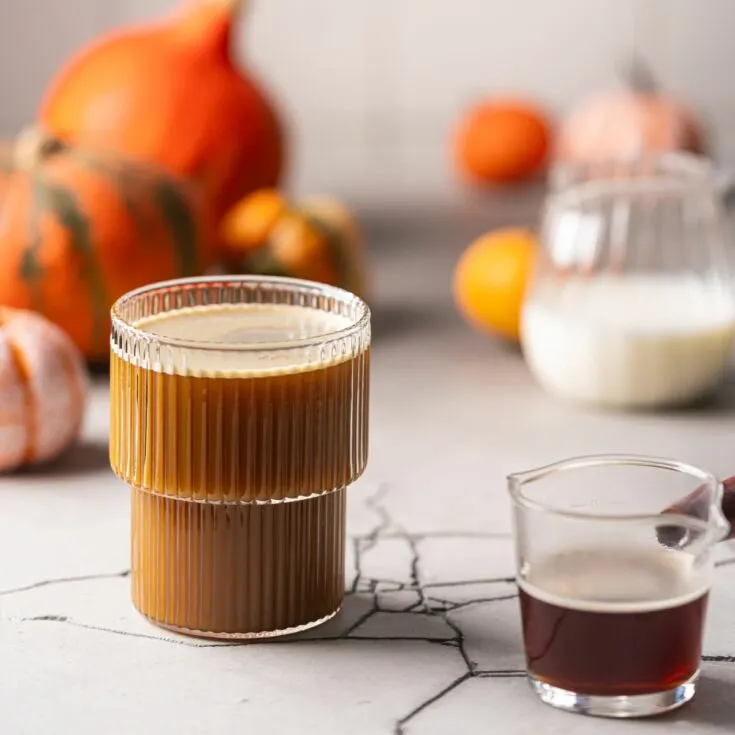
(384, 521)
(364, 543)
(399, 729)
(470, 582)
(64, 580)
(502, 674)
(420, 536)
(415, 573)
(371, 638)
(362, 619)
(356, 552)
(384, 528)
(459, 637)
(397, 586)
(64, 620)
(467, 603)
(471, 665)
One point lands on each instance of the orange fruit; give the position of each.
(490, 280)
(247, 225)
(502, 141)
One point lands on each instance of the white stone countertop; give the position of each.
(428, 641)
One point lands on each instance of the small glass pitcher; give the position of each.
(613, 587)
(631, 303)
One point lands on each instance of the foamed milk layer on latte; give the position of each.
(251, 326)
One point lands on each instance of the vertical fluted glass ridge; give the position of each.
(238, 455)
(240, 440)
(184, 432)
(223, 570)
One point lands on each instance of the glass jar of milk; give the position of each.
(632, 302)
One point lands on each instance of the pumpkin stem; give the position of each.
(34, 145)
(208, 23)
(639, 76)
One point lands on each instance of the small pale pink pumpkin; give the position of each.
(43, 387)
(621, 125)
(637, 119)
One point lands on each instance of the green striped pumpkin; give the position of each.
(79, 228)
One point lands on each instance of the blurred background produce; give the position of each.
(190, 136)
(317, 239)
(371, 91)
(632, 305)
(502, 141)
(635, 118)
(490, 281)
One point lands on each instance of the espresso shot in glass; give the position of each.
(239, 417)
(612, 617)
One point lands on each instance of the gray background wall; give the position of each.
(374, 86)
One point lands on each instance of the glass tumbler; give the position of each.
(239, 416)
(613, 586)
(631, 303)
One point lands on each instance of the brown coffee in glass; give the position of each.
(239, 416)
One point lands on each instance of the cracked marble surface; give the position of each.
(428, 640)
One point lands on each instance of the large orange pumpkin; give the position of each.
(79, 228)
(6, 167)
(170, 93)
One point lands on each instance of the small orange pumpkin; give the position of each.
(43, 386)
(628, 122)
(79, 228)
(171, 93)
(319, 240)
(247, 225)
(346, 242)
(298, 245)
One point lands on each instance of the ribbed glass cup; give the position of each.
(238, 451)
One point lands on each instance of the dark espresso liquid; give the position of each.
(614, 622)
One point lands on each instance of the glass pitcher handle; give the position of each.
(670, 536)
(728, 504)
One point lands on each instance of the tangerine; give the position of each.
(502, 141)
(490, 280)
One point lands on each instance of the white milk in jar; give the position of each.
(629, 340)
